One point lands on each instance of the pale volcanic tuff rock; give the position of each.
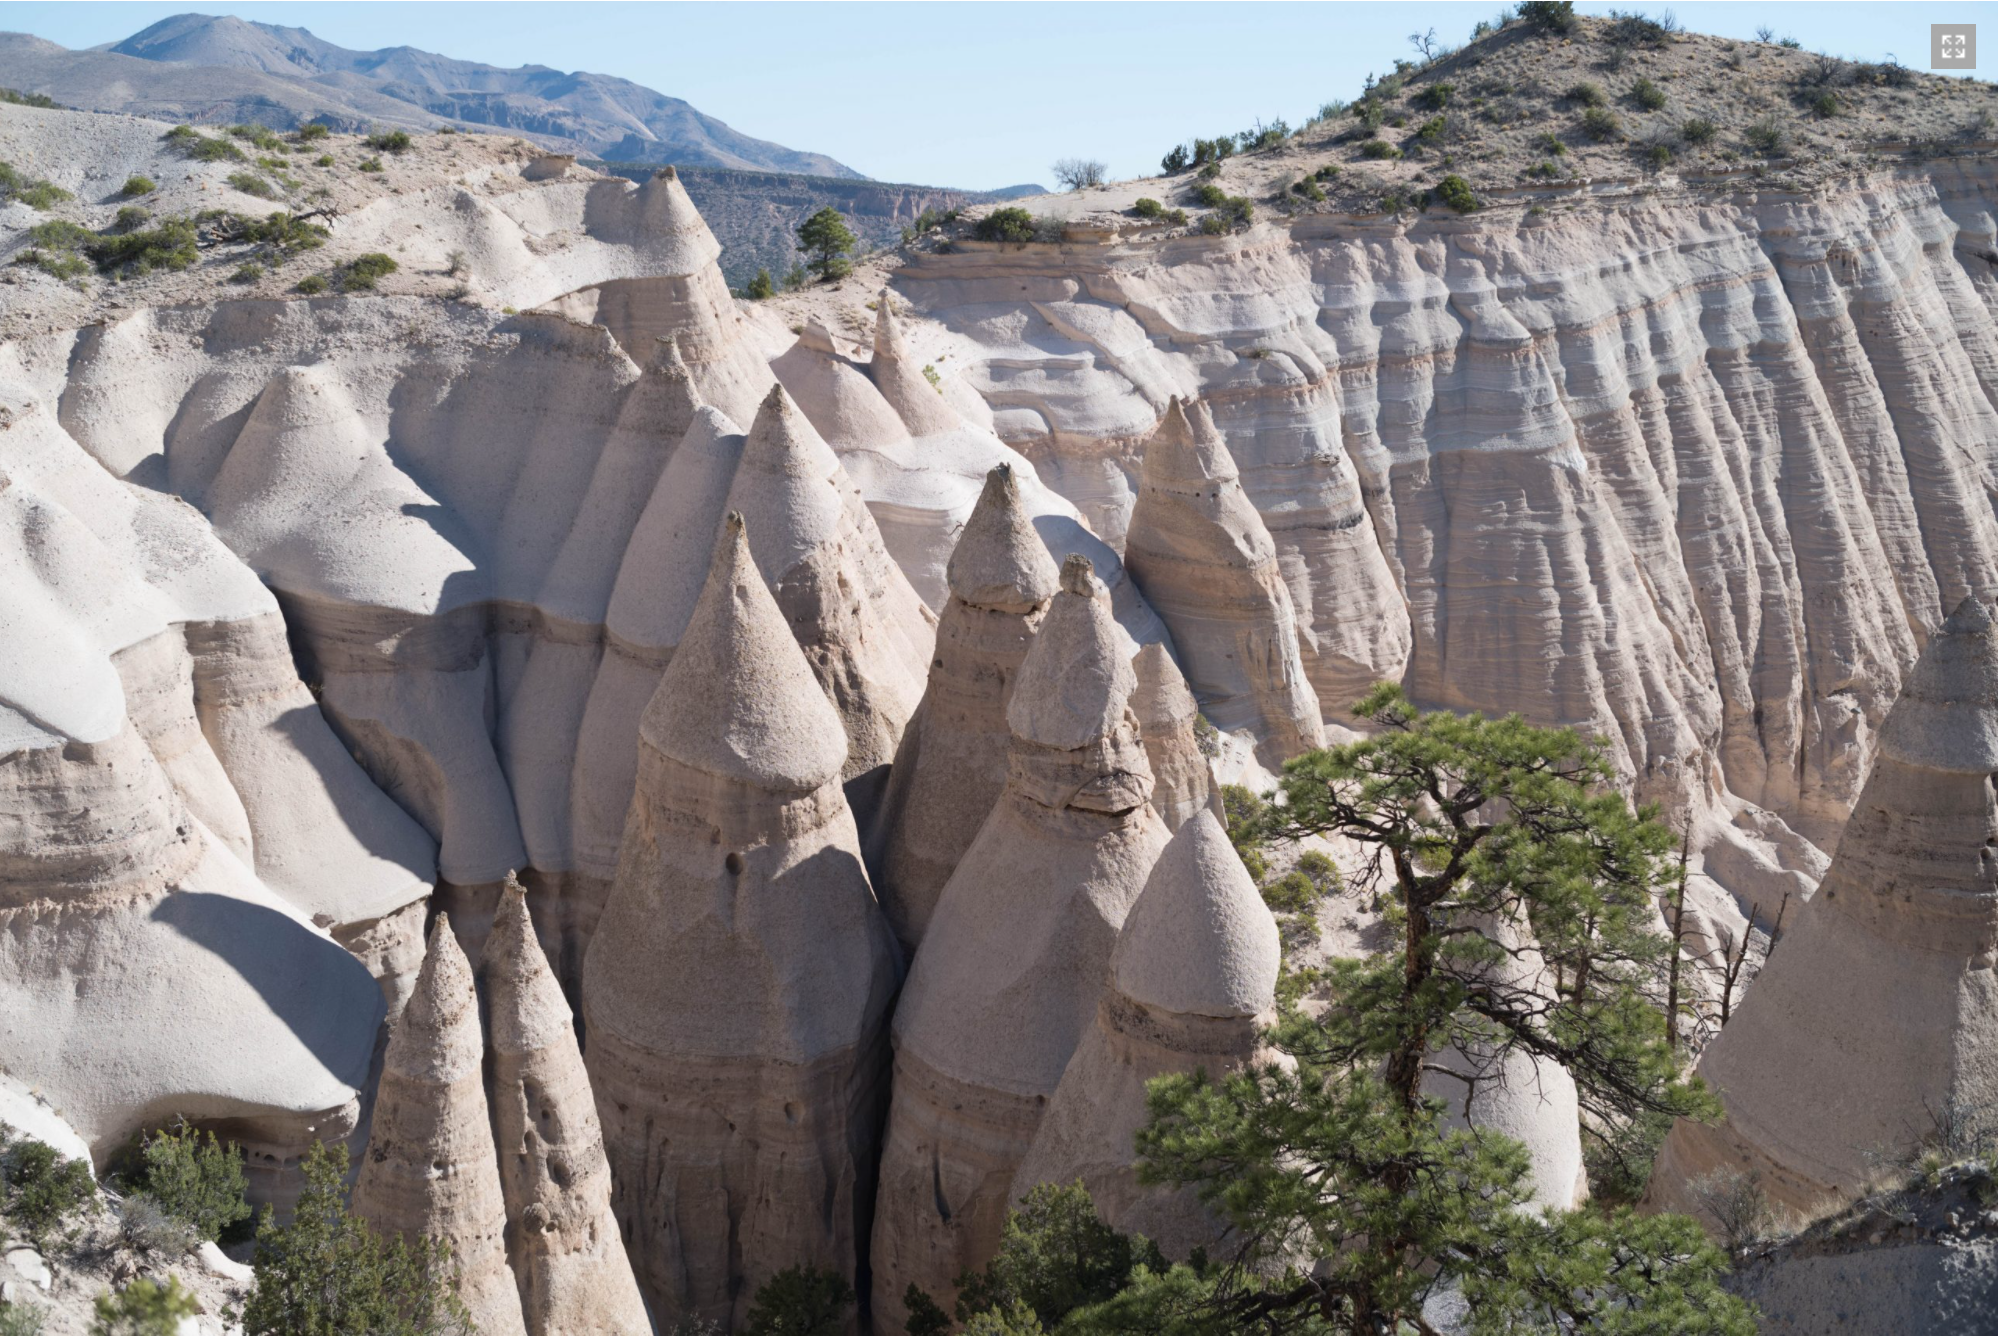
(658, 583)
(680, 296)
(430, 1170)
(141, 953)
(1015, 958)
(1878, 1011)
(951, 765)
(562, 1239)
(1182, 782)
(451, 505)
(1200, 553)
(866, 634)
(737, 988)
(1192, 984)
(920, 454)
(1664, 469)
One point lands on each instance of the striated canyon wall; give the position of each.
(1700, 471)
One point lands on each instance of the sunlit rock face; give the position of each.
(1007, 978)
(1698, 475)
(951, 765)
(175, 887)
(1877, 1014)
(1199, 551)
(1192, 986)
(736, 994)
(561, 1238)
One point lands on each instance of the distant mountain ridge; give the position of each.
(200, 67)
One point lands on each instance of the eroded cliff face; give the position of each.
(1700, 471)
(323, 603)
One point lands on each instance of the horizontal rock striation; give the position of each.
(1876, 1017)
(165, 899)
(1200, 553)
(1699, 472)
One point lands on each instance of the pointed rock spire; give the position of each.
(951, 764)
(1182, 783)
(1193, 980)
(1203, 558)
(680, 293)
(833, 393)
(736, 990)
(430, 1169)
(922, 409)
(1876, 1012)
(1000, 562)
(659, 579)
(1017, 952)
(562, 1239)
(1200, 941)
(866, 635)
(744, 705)
(1078, 684)
(670, 229)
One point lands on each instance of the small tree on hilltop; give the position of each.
(1517, 884)
(827, 240)
(1075, 173)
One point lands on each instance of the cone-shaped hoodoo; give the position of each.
(1193, 981)
(901, 382)
(1016, 955)
(736, 990)
(562, 1239)
(658, 581)
(1205, 561)
(951, 765)
(1878, 1012)
(865, 633)
(430, 1169)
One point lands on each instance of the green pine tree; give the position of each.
(1486, 835)
(760, 287)
(143, 1308)
(328, 1273)
(827, 241)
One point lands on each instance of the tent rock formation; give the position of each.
(430, 1170)
(1879, 1011)
(1192, 984)
(951, 765)
(1200, 553)
(562, 1239)
(736, 992)
(1017, 953)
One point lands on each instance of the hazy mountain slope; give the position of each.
(200, 68)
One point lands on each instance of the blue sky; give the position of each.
(976, 94)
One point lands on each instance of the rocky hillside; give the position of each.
(222, 70)
(1543, 117)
